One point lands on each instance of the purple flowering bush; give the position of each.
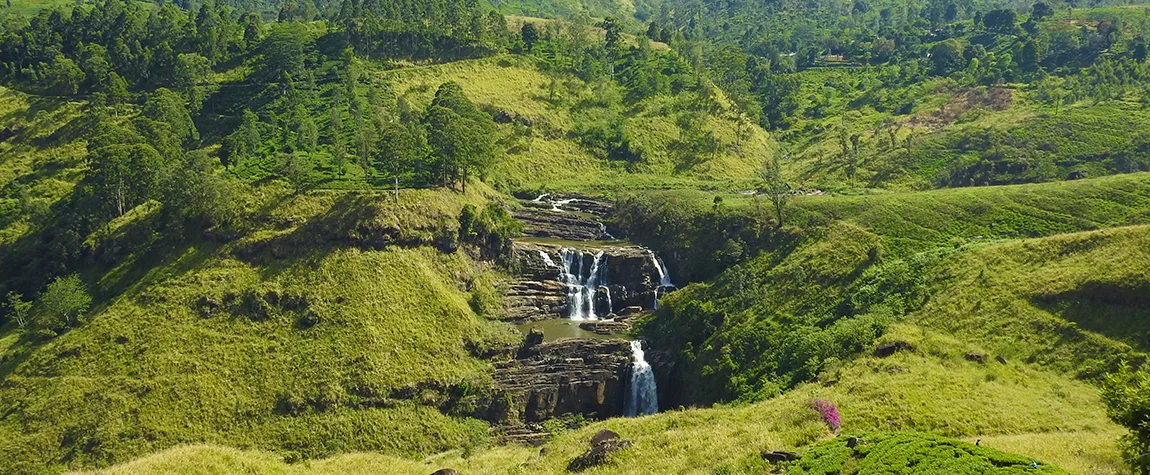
(828, 412)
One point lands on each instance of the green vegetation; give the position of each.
(272, 236)
(932, 389)
(896, 453)
(248, 343)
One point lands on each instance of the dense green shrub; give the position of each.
(905, 453)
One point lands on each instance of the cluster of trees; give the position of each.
(60, 306)
(450, 29)
(751, 48)
(117, 45)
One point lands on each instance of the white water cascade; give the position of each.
(581, 285)
(642, 397)
(664, 277)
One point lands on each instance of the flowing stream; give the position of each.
(642, 397)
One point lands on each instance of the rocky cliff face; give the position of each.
(570, 376)
(628, 278)
(573, 218)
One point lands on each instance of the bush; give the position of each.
(64, 302)
(491, 229)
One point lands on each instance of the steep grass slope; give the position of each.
(41, 162)
(316, 333)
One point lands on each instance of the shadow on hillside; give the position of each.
(1117, 311)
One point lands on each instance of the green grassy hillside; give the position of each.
(932, 389)
(264, 343)
(824, 291)
(545, 155)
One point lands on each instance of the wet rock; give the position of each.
(779, 456)
(632, 310)
(604, 327)
(976, 357)
(597, 455)
(886, 349)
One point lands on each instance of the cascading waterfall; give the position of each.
(547, 259)
(580, 287)
(664, 277)
(642, 395)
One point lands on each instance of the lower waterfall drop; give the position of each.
(642, 396)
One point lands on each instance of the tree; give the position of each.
(460, 135)
(284, 51)
(253, 29)
(1000, 21)
(62, 76)
(1138, 52)
(1041, 10)
(776, 188)
(18, 309)
(1127, 397)
(400, 149)
(530, 35)
(1028, 56)
(200, 196)
(190, 70)
(946, 56)
(244, 142)
(167, 107)
(64, 301)
(123, 176)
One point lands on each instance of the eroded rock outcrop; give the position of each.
(570, 376)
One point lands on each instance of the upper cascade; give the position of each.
(583, 284)
(572, 218)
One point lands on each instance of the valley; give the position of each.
(574, 236)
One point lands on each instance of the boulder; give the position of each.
(886, 349)
(976, 357)
(1000, 359)
(603, 436)
(597, 454)
(779, 456)
(445, 471)
(534, 337)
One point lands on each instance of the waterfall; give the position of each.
(610, 305)
(642, 398)
(547, 259)
(603, 229)
(581, 286)
(664, 277)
